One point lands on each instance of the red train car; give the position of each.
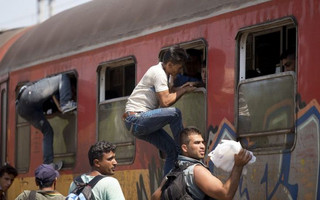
(107, 46)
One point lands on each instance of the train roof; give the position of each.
(103, 22)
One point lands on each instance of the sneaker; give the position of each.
(57, 166)
(70, 106)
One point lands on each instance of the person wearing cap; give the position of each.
(46, 178)
(7, 175)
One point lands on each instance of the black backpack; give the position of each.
(175, 188)
(83, 191)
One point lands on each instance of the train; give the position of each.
(105, 47)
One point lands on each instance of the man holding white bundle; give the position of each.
(201, 183)
(223, 155)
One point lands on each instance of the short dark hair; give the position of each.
(184, 139)
(96, 151)
(8, 169)
(42, 184)
(176, 55)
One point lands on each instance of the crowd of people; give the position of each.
(147, 111)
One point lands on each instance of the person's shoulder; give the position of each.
(109, 180)
(54, 195)
(201, 172)
(23, 195)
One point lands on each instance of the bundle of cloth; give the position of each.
(223, 155)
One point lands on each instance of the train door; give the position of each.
(3, 124)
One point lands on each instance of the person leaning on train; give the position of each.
(191, 70)
(200, 182)
(46, 178)
(145, 119)
(31, 101)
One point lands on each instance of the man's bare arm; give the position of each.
(157, 194)
(56, 102)
(166, 98)
(213, 187)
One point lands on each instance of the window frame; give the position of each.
(202, 44)
(101, 72)
(27, 125)
(261, 29)
(241, 38)
(4, 112)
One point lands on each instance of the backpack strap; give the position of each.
(95, 180)
(78, 180)
(92, 183)
(32, 195)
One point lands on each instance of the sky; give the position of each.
(21, 13)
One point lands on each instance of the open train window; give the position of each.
(192, 105)
(64, 128)
(266, 93)
(116, 82)
(261, 47)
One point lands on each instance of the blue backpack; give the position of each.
(83, 191)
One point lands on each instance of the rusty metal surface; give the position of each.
(7, 35)
(100, 23)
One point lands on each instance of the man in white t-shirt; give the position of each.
(102, 159)
(148, 108)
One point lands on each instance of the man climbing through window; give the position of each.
(30, 103)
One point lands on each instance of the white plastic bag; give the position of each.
(223, 155)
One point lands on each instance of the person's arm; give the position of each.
(195, 84)
(213, 187)
(56, 102)
(23, 195)
(157, 194)
(166, 98)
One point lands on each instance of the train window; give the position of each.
(266, 93)
(266, 113)
(116, 82)
(192, 105)
(261, 47)
(64, 128)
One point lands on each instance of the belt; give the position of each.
(21, 91)
(127, 114)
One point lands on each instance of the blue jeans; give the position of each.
(149, 125)
(29, 106)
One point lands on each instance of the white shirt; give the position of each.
(144, 96)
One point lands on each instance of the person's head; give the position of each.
(174, 59)
(46, 176)
(102, 157)
(7, 175)
(193, 63)
(288, 60)
(192, 143)
(204, 72)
